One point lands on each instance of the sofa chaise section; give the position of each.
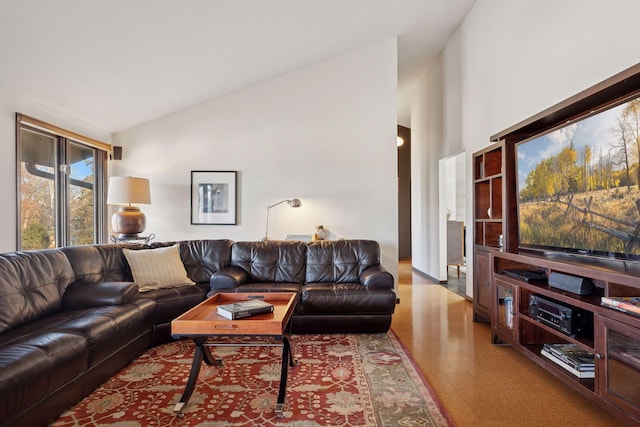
(55, 350)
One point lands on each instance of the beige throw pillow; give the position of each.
(157, 268)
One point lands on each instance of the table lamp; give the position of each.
(126, 191)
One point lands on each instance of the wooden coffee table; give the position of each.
(204, 326)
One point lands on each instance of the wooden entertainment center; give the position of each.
(503, 300)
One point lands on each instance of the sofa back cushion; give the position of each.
(32, 285)
(202, 258)
(99, 263)
(271, 261)
(107, 263)
(340, 261)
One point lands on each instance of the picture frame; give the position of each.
(214, 197)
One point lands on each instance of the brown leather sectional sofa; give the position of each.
(70, 318)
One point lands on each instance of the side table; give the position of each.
(137, 239)
(205, 327)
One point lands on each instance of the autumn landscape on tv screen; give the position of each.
(578, 185)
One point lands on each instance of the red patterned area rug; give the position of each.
(339, 380)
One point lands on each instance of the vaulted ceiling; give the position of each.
(114, 64)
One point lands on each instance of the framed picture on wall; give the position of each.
(213, 197)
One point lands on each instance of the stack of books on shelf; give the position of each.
(629, 305)
(572, 358)
(239, 310)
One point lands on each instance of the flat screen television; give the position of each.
(577, 185)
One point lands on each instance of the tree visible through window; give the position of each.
(60, 201)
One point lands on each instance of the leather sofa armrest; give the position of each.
(376, 277)
(85, 295)
(228, 278)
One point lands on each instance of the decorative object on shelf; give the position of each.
(294, 203)
(213, 197)
(629, 305)
(321, 233)
(126, 191)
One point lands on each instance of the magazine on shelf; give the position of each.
(567, 367)
(629, 305)
(241, 309)
(573, 355)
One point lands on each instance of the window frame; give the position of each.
(63, 140)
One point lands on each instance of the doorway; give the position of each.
(453, 212)
(404, 193)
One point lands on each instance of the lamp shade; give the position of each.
(127, 190)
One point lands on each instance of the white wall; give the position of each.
(10, 104)
(325, 134)
(461, 187)
(426, 150)
(507, 62)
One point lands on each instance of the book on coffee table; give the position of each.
(241, 309)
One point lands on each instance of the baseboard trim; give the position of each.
(426, 276)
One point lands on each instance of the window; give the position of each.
(61, 178)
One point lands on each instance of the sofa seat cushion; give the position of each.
(269, 287)
(35, 364)
(172, 302)
(108, 328)
(346, 298)
(103, 329)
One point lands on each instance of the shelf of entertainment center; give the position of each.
(584, 385)
(587, 302)
(547, 334)
(614, 374)
(611, 277)
(609, 280)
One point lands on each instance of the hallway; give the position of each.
(480, 384)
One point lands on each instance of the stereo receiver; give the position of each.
(569, 320)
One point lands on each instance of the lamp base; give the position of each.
(128, 222)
